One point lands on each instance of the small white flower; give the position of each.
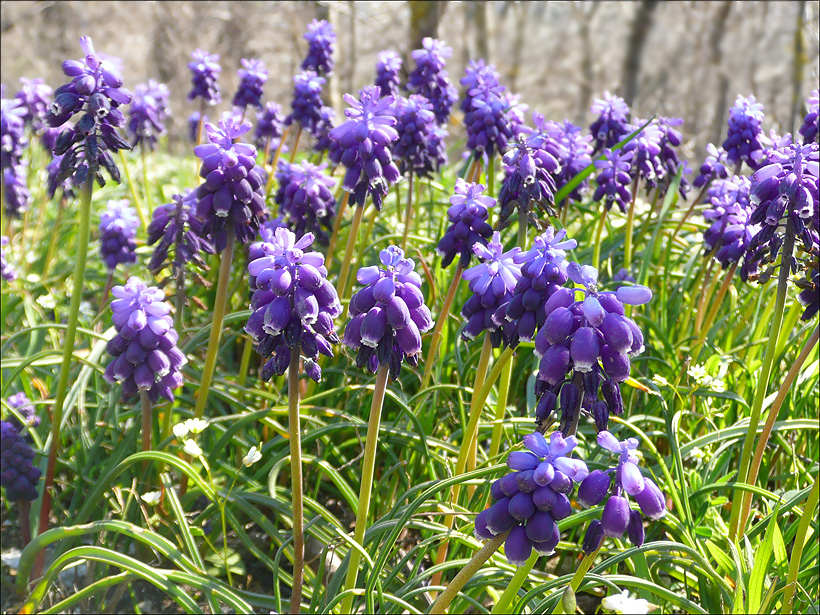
(32, 277)
(151, 498)
(86, 309)
(180, 430)
(624, 603)
(47, 301)
(192, 448)
(660, 380)
(254, 455)
(196, 425)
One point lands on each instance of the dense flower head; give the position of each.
(307, 100)
(388, 314)
(417, 128)
(729, 211)
(714, 167)
(7, 272)
(12, 131)
(53, 182)
(431, 80)
(174, 227)
(809, 129)
(671, 139)
(646, 150)
(616, 485)
(468, 212)
(591, 338)
(321, 38)
(321, 131)
(784, 192)
(387, 73)
(491, 283)
(530, 500)
(293, 303)
(95, 94)
(614, 179)
(18, 475)
(252, 77)
(144, 353)
(364, 147)
(529, 170)
(571, 148)
(15, 189)
(305, 197)
(611, 125)
(21, 403)
(743, 140)
(193, 125)
(36, 97)
(118, 232)
(543, 271)
(148, 113)
(205, 71)
(270, 124)
(480, 79)
(488, 123)
(232, 194)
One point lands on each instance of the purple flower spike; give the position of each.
(305, 198)
(646, 153)
(231, 198)
(614, 179)
(468, 212)
(23, 405)
(18, 475)
(16, 190)
(420, 146)
(293, 303)
(307, 100)
(144, 353)
(320, 38)
(809, 129)
(174, 226)
(388, 314)
(35, 96)
(569, 146)
(252, 78)
(13, 115)
(270, 124)
(479, 79)
(611, 125)
(729, 213)
(148, 113)
(431, 80)
(7, 272)
(118, 231)
(205, 71)
(743, 141)
(387, 73)
(714, 167)
(529, 500)
(364, 147)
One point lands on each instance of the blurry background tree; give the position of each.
(685, 59)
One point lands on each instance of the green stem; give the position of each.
(296, 144)
(706, 298)
(408, 212)
(132, 187)
(435, 340)
(244, 363)
(337, 223)
(713, 310)
(764, 436)
(500, 410)
(630, 223)
(145, 405)
(522, 226)
(341, 289)
(274, 162)
(296, 480)
(505, 602)
(68, 351)
(491, 176)
(53, 241)
(763, 384)
(472, 429)
(145, 181)
(368, 468)
(466, 573)
(575, 583)
(596, 244)
(365, 236)
(799, 543)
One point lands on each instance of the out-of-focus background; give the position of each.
(684, 59)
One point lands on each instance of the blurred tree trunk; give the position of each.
(585, 12)
(521, 12)
(797, 72)
(634, 54)
(331, 92)
(480, 32)
(718, 29)
(424, 16)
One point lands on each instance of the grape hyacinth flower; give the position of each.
(387, 73)
(15, 189)
(492, 283)
(118, 232)
(617, 517)
(488, 126)
(614, 179)
(714, 167)
(18, 475)
(305, 197)
(12, 131)
(388, 315)
(307, 100)
(193, 125)
(480, 79)
(431, 80)
(205, 70)
(36, 97)
(144, 353)
(809, 129)
(416, 127)
(148, 113)
(21, 403)
(591, 339)
(270, 124)
(468, 212)
(743, 140)
(94, 94)
(232, 196)
(730, 208)
(321, 132)
(530, 500)
(670, 140)
(252, 76)
(293, 304)
(174, 225)
(7, 272)
(52, 183)
(571, 148)
(784, 192)
(321, 38)
(364, 147)
(543, 271)
(611, 125)
(646, 150)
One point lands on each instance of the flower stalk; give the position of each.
(347, 262)
(296, 480)
(408, 212)
(435, 340)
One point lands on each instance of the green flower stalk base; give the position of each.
(408, 212)
(435, 340)
(346, 263)
(296, 480)
(368, 469)
(575, 583)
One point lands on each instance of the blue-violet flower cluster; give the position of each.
(252, 77)
(18, 475)
(468, 211)
(118, 233)
(305, 198)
